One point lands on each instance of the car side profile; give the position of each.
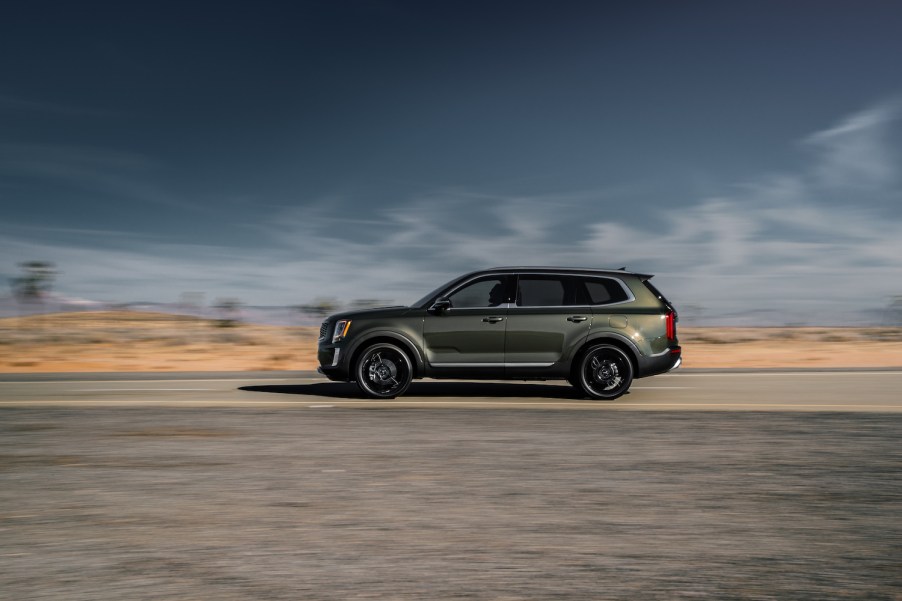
(597, 328)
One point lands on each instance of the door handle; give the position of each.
(492, 319)
(577, 318)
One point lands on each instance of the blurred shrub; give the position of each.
(229, 312)
(320, 307)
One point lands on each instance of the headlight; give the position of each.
(341, 330)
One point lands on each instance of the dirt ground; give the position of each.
(132, 341)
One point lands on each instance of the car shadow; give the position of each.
(435, 389)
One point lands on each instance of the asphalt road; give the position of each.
(227, 487)
(871, 390)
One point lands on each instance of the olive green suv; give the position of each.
(596, 328)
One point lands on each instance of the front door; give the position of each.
(470, 334)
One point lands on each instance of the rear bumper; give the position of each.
(659, 364)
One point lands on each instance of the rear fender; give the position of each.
(618, 340)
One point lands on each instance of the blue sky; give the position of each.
(748, 153)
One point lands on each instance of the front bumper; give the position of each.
(334, 374)
(331, 364)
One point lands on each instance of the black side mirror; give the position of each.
(440, 304)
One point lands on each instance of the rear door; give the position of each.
(548, 321)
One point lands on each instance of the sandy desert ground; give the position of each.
(131, 341)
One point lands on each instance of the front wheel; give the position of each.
(384, 371)
(605, 372)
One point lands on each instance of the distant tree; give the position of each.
(35, 283)
(320, 307)
(691, 314)
(191, 301)
(894, 311)
(368, 303)
(229, 311)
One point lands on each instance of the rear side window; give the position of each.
(537, 291)
(604, 291)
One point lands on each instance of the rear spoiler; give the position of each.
(658, 294)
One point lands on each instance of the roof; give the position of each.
(583, 270)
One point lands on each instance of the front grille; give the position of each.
(323, 330)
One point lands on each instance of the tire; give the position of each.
(605, 372)
(383, 371)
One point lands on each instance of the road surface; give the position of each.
(245, 487)
(870, 390)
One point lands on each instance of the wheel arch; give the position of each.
(407, 345)
(620, 342)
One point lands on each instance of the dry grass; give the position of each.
(791, 347)
(126, 341)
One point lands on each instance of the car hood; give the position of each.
(396, 311)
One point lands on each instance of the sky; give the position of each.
(749, 154)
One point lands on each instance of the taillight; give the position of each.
(670, 325)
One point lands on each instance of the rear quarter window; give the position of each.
(604, 291)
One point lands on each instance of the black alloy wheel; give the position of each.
(384, 371)
(605, 372)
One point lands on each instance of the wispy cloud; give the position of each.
(122, 176)
(818, 245)
(856, 153)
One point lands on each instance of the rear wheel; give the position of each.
(383, 371)
(605, 372)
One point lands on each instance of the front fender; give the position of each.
(404, 342)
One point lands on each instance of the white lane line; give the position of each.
(321, 406)
(236, 380)
(843, 405)
(759, 374)
(450, 404)
(664, 388)
(144, 389)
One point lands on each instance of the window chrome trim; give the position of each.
(571, 306)
(575, 308)
(502, 307)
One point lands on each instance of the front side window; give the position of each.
(489, 292)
